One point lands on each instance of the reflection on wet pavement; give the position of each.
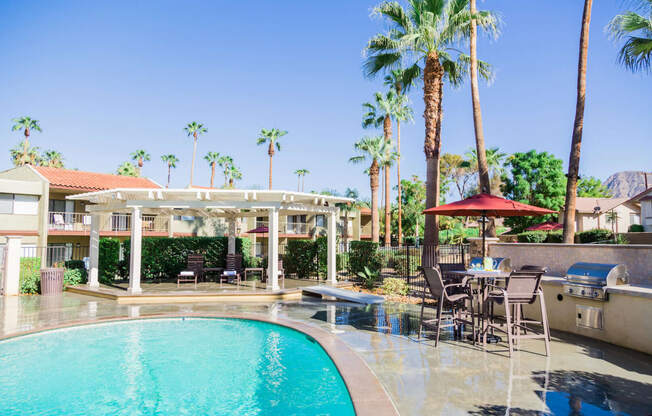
(582, 376)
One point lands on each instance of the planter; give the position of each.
(52, 280)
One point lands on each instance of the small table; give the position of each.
(482, 276)
(255, 269)
(213, 270)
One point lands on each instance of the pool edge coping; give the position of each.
(368, 395)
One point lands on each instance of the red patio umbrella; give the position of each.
(545, 226)
(259, 230)
(486, 205)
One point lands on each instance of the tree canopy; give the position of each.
(592, 188)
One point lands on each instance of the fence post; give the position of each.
(11, 284)
(409, 269)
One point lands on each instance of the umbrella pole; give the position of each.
(484, 218)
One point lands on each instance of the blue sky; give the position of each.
(107, 78)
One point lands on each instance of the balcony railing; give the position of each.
(288, 227)
(81, 222)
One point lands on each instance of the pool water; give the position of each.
(177, 366)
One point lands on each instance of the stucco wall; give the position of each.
(646, 214)
(559, 257)
(586, 222)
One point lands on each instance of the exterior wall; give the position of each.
(646, 214)
(586, 222)
(365, 227)
(559, 257)
(201, 227)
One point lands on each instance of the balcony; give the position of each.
(80, 222)
(298, 228)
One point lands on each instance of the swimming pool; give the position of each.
(170, 366)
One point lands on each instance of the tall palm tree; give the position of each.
(21, 155)
(27, 124)
(636, 29)
(271, 137)
(423, 35)
(576, 143)
(212, 158)
(140, 157)
(171, 162)
(372, 149)
(346, 208)
(494, 159)
(194, 130)
(127, 169)
(389, 157)
(226, 163)
(52, 158)
(234, 175)
(301, 174)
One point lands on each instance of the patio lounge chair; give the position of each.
(194, 269)
(233, 269)
(442, 292)
(523, 287)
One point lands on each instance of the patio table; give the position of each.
(255, 269)
(482, 276)
(212, 270)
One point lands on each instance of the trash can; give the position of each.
(52, 281)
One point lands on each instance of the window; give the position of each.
(184, 218)
(320, 221)
(57, 205)
(18, 204)
(634, 218)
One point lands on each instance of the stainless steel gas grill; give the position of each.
(590, 280)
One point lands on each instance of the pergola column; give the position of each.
(332, 248)
(94, 252)
(232, 225)
(135, 254)
(272, 253)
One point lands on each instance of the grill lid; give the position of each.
(597, 274)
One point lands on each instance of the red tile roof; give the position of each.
(91, 181)
(365, 211)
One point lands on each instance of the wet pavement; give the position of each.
(581, 377)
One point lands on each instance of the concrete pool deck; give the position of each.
(455, 378)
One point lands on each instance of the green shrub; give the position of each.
(393, 286)
(555, 237)
(321, 250)
(72, 277)
(532, 237)
(636, 228)
(109, 253)
(402, 268)
(30, 275)
(79, 266)
(364, 254)
(368, 277)
(593, 236)
(299, 258)
(621, 239)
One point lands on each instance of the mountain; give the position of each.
(627, 184)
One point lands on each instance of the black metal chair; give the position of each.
(442, 292)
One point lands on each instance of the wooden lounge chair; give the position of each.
(194, 269)
(281, 274)
(442, 292)
(233, 269)
(523, 287)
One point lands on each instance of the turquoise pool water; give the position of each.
(177, 366)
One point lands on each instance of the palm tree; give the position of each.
(301, 173)
(612, 218)
(494, 159)
(234, 175)
(402, 81)
(140, 157)
(27, 124)
(423, 35)
(346, 208)
(372, 149)
(171, 162)
(52, 158)
(389, 157)
(271, 137)
(636, 53)
(576, 143)
(194, 129)
(21, 155)
(212, 158)
(226, 163)
(127, 169)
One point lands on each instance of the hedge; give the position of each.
(364, 253)
(166, 257)
(555, 237)
(109, 254)
(636, 228)
(532, 237)
(593, 236)
(299, 257)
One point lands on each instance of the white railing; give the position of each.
(79, 221)
(288, 227)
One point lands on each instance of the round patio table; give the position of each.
(482, 276)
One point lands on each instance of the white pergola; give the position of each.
(207, 203)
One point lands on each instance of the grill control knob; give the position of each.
(582, 292)
(570, 290)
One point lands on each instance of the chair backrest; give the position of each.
(434, 282)
(195, 263)
(522, 285)
(234, 262)
(280, 265)
(449, 267)
(532, 267)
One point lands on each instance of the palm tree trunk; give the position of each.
(432, 95)
(298, 183)
(398, 175)
(373, 182)
(574, 159)
(194, 153)
(25, 146)
(169, 172)
(270, 152)
(388, 216)
(483, 168)
(212, 173)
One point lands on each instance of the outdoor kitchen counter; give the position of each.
(625, 315)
